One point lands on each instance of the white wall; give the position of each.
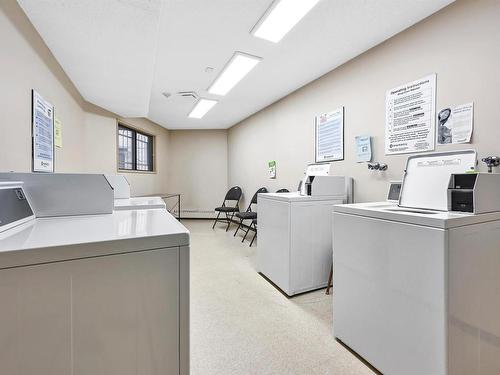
(198, 169)
(461, 43)
(89, 132)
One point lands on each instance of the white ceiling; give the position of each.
(123, 54)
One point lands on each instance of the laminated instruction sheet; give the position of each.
(43, 134)
(329, 136)
(411, 117)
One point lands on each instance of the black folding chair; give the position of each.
(254, 225)
(254, 221)
(249, 214)
(233, 194)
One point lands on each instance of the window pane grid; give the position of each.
(135, 150)
(143, 152)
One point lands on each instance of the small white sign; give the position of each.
(363, 148)
(272, 169)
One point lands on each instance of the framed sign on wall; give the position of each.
(329, 136)
(42, 133)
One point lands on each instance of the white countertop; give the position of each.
(437, 219)
(71, 237)
(296, 197)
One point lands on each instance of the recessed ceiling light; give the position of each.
(281, 17)
(234, 71)
(201, 108)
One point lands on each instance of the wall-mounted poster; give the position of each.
(455, 124)
(329, 136)
(42, 134)
(410, 124)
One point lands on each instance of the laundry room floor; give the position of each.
(241, 324)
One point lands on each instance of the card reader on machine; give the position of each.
(318, 182)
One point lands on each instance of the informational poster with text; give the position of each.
(329, 136)
(43, 134)
(410, 124)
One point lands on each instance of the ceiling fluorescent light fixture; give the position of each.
(234, 71)
(201, 108)
(281, 17)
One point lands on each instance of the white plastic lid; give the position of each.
(426, 178)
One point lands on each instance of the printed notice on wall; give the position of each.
(455, 124)
(43, 134)
(272, 168)
(411, 117)
(57, 132)
(363, 148)
(329, 136)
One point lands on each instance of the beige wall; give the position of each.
(89, 132)
(100, 138)
(198, 169)
(461, 44)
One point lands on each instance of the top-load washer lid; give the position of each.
(426, 178)
(120, 185)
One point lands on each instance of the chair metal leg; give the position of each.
(229, 220)
(215, 222)
(245, 236)
(253, 238)
(239, 226)
(330, 284)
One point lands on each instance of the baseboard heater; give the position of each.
(194, 213)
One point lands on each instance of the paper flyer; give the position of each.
(58, 132)
(455, 125)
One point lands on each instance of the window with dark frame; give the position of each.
(135, 150)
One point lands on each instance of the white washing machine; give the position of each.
(139, 203)
(123, 200)
(417, 288)
(295, 236)
(88, 292)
